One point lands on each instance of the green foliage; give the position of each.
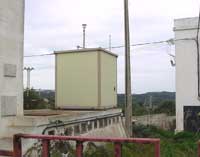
(32, 100)
(162, 102)
(167, 107)
(157, 98)
(183, 144)
(98, 151)
(50, 95)
(62, 147)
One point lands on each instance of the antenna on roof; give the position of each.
(110, 42)
(84, 28)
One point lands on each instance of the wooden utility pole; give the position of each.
(128, 93)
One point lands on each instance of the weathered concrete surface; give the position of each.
(160, 120)
(11, 50)
(59, 121)
(11, 61)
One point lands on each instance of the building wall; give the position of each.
(76, 80)
(86, 79)
(111, 127)
(186, 67)
(11, 57)
(108, 80)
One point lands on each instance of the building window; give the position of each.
(83, 128)
(76, 130)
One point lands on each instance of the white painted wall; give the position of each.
(186, 67)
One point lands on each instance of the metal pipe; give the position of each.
(118, 149)
(75, 122)
(45, 148)
(17, 146)
(79, 149)
(198, 149)
(90, 139)
(6, 153)
(157, 149)
(110, 42)
(80, 140)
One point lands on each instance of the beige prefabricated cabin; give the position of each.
(86, 79)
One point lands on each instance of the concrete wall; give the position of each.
(86, 78)
(113, 130)
(71, 123)
(160, 120)
(11, 57)
(186, 67)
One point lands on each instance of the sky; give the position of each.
(57, 25)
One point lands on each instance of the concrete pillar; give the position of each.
(186, 67)
(11, 57)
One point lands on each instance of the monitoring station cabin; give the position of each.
(86, 79)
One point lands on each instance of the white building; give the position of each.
(11, 57)
(187, 75)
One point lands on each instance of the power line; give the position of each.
(122, 46)
(141, 44)
(113, 47)
(40, 55)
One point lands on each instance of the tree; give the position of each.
(32, 100)
(167, 107)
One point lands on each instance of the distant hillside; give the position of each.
(144, 99)
(47, 93)
(139, 99)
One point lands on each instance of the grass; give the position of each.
(183, 144)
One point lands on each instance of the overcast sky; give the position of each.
(56, 25)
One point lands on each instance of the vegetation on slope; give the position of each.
(154, 102)
(183, 144)
(33, 100)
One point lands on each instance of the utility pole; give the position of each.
(128, 93)
(28, 69)
(84, 28)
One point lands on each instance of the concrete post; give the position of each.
(128, 94)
